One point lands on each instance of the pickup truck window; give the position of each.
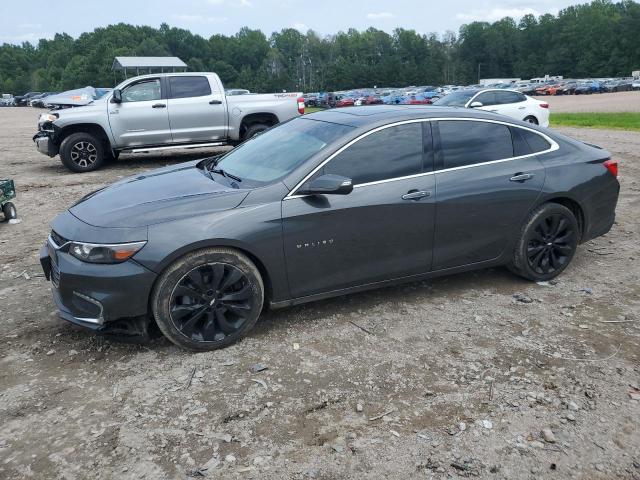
(142, 91)
(186, 87)
(279, 151)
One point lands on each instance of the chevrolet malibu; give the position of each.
(323, 205)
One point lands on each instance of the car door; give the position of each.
(383, 229)
(197, 111)
(485, 189)
(141, 118)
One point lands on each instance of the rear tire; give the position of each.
(547, 243)
(254, 130)
(9, 211)
(82, 152)
(531, 119)
(208, 299)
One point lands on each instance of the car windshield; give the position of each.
(280, 150)
(457, 99)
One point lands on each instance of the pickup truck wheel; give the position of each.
(82, 152)
(254, 130)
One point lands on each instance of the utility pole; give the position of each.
(479, 63)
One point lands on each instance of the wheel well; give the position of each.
(266, 118)
(91, 128)
(263, 273)
(575, 208)
(266, 280)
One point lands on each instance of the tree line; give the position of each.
(598, 39)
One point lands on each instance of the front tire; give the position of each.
(82, 152)
(208, 299)
(547, 243)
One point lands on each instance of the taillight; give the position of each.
(544, 105)
(301, 105)
(612, 166)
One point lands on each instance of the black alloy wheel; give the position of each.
(547, 243)
(211, 302)
(208, 299)
(551, 245)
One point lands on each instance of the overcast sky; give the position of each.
(30, 20)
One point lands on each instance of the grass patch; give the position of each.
(312, 109)
(608, 120)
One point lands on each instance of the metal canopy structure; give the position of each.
(127, 64)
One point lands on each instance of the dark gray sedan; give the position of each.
(326, 204)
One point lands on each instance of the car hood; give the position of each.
(155, 197)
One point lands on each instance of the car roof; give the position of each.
(374, 115)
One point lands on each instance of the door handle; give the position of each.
(521, 177)
(416, 195)
(494, 111)
(158, 105)
(215, 102)
(521, 108)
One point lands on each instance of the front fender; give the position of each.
(253, 229)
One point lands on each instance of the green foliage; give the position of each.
(589, 40)
(617, 121)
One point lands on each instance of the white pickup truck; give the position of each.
(159, 112)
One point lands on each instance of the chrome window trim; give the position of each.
(553, 147)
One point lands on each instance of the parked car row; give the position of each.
(577, 87)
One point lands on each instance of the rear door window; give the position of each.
(509, 97)
(465, 142)
(187, 87)
(536, 142)
(389, 153)
(487, 99)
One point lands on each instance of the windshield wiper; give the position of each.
(212, 169)
(220, 171)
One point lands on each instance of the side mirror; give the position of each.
(328, 185)
(117, 96)
(476, 105)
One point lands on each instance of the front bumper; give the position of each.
(45, 145)
(92, 295)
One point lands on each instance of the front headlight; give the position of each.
(48, 118)
(104, 253)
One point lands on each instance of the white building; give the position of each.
(491, 81)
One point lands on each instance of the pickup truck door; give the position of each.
(197, 109)
(142, 117)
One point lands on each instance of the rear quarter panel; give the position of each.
(283, 105)
(576, 171)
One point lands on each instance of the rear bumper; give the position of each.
(45, 145)
(601, 209)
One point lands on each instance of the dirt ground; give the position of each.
(601, 102)
(449, 378)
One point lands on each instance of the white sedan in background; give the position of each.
(505, 102)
